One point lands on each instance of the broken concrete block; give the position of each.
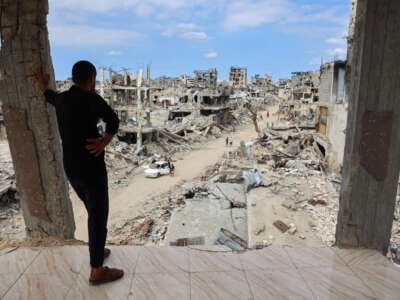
(281, 226)
(252, 179)
(260, 227)
(293, 229)
(231, 240)
(230, 192)
(314, 202)
(289, 204)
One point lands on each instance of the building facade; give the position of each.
(238, 77)
(333, 110)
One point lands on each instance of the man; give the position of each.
(78, 112)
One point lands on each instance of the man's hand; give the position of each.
(42, 78)
(96, 145)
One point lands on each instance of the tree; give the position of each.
(30, 122)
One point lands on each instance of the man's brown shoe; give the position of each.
(104, 274)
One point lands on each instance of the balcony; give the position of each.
(200, 272)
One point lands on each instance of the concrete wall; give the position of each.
(325, 86)
(337, 121)
(337, 112)
(3, 134)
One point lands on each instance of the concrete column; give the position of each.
(372, 152)
(102, 82)
(112, 95)
(30, 122)
(139, 142)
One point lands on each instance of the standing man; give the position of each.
(78, 111)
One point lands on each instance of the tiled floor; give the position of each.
(212, 272)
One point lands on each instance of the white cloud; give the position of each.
(194, 35)
(234, 15)
(174, 29)
(291, 17)
(114, 53)
(187, 26)
(169, 32)
(335, 41)
(142, 8)
(337, 52)
(243, 14)
(210, 54)
(85, 35)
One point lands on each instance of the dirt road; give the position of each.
(127, 202)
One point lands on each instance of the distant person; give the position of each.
(172, 170)
(169, 164)
(226, 141)
(267, 114)
(78, 111)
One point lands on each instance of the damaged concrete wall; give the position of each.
(337, 121)
(371, 163)
(30, 122)
(331, 96)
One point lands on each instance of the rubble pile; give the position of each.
(285, 160)
(151, 226)
(174, 138)
(294, 159)
(213, 211)
(298, 115)
(241, 116)
(7, 175)
(395, 240)
(11, 221)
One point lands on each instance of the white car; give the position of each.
(157, 169)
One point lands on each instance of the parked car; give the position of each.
(157, 169)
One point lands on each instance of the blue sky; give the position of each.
(178, 36)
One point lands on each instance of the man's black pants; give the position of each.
(93, 191)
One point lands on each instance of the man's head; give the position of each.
(84, 75)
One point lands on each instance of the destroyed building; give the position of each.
(238, 77)
(305, 86)
(188, 81)
(260, 86)
(64, 85)
(257, 80)
(163, 82)
(333, 109)
(206, 78)
(284, 88)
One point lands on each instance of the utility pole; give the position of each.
(139, 142)
(148, 75)
(111, 87)
(125, 84)
(148, 80)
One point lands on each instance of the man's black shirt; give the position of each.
(78, 112)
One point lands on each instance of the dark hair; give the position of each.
(82, 71)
